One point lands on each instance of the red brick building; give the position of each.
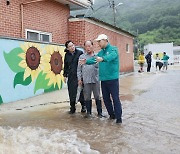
(81, 29)
(48, 20)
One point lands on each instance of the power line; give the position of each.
(111, 4)
(115, 10)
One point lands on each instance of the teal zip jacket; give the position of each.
(109, 67)
(165, 58)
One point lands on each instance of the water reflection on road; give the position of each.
(151, 122)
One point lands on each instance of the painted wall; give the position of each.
(28, 69)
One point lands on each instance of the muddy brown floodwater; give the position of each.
(151, 122)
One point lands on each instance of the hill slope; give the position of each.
(154, 21)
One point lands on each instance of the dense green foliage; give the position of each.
(161, 35)
(154, 21)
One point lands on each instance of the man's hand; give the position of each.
(99, 59)
(80, 82)
(82, 61)
(65, 79)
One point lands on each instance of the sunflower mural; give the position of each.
(52, 73)
(31, 60)
(39, 64)
(14, 60)
(53, 66)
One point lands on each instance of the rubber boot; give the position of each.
(88, 108)
(72, 108)
(83, 109)
(99, 108)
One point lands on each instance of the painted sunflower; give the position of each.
(31, 60)
(53, 64)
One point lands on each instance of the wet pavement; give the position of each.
(151, 122)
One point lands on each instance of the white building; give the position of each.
(160, 48)
(176, 52)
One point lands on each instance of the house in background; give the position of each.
(31, 36)
(176, 53)
(81, 29)
(160, 48)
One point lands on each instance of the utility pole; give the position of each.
(114, 12)
(111, 5)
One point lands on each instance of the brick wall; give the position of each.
(81, 30)
(77, 32)
(48, 16)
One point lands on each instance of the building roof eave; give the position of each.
(76, 4)
(117, 29)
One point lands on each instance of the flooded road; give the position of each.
(151, 122)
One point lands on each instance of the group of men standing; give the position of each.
(87, 70)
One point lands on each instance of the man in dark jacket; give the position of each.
(148, 60)
(70, 72)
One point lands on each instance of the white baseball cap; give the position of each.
(102, 37)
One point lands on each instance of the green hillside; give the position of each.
(154, 21)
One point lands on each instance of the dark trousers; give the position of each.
(72, 90)
(110, 89)
(148, 67)
(159, 64)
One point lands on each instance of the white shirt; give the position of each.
(158, 59)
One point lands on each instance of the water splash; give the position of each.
(36, 140)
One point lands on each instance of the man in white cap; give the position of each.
(108, 58)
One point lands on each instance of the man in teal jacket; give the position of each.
(165, 60)
(108, 59)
